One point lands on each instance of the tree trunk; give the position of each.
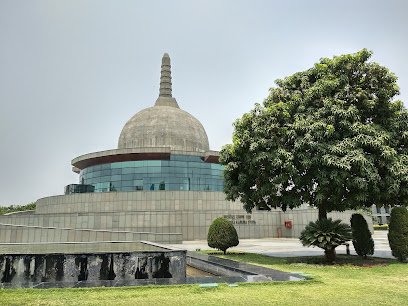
(323, 211)
(330, 255)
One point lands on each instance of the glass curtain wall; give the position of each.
(181, 172)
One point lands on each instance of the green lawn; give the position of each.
(344, 284)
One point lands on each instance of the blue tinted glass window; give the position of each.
(141, 163)
(193, 158)
(138, 176)
(116, 171)
(117, 184)
(194, 165)
(128, 164)
(154, 163)
(165, 170)
(175, 157)
(116, 165)
(106, 172)
(128, 170)
(138, 182)
(105, 166)
(128, 188)
(140, 170)
(153, 169)
(128, 177)
(180, 173)
(127, 183)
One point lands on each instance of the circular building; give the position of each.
(160, 148)
(161, 184)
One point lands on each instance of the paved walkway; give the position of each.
(290, 247)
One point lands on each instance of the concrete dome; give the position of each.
(164, 126)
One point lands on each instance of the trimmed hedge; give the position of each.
(383, 227)
(222, 235)
(362, 241)
(398, 233)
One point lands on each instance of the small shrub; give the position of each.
(327, 235)
(378, 227)
(222, 235)
(362, 241)
(398, 233)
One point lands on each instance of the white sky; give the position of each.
(73, 72)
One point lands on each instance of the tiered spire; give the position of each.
(165, 95)
(165, 77)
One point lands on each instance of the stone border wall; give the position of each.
(10, 233)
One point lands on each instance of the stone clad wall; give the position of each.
(162, 214)
(188, 224)
(10, 233)
(136, 201)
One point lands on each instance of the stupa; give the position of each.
(162, 184)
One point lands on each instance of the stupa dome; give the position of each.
(164, 124)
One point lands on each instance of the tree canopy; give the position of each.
(330, 136)
(15, 208)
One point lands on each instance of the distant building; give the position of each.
(381, 214)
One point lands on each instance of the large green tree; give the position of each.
(330, 136)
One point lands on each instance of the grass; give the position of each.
(348, 282)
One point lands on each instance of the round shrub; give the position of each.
(398, 233)
(362, 241)
(222, 235)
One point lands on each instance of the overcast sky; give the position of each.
(73, 72)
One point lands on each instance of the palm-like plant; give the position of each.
(327, 235)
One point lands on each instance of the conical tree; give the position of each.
(222, 235)
(398, 233)
(362, 241)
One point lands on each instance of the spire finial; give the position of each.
(165, 97)
(165, 77)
